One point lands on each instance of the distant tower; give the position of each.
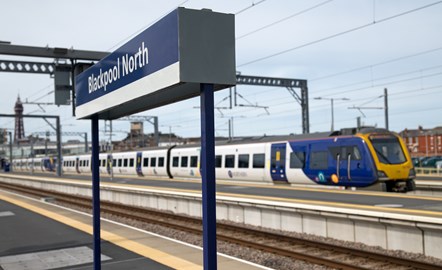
(19, 128)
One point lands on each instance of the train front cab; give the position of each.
(336, 161)
(392, 160)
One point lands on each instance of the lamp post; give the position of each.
(332, 111)
(170, 131)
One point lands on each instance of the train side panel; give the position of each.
(247, 162)
(154, 163)
(124, 163)
(185, 162)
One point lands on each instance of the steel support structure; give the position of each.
(48, 52)
(67, 133)
(290, 84)
(58, 134)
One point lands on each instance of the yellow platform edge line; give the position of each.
(145, 251)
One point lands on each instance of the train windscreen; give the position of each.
(388, 149)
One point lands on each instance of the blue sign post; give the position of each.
(208, 176)
(185, 54)
(96, 193)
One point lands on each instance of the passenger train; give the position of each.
(370, 157)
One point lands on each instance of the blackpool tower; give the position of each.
(19, 134)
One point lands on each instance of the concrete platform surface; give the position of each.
(38, 235)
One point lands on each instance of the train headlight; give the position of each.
(382, 175)
(412, 173)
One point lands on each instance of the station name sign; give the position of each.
(124, 66)
(165, 63)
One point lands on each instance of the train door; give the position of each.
(77, 164)
(277, 162)
(349, 164)
(109, 164)
(139, 163)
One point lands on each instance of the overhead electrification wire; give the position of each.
(379, 79)
(376, 64)
(284, 19)
(386, 83)
(249, 7)
(339, 34)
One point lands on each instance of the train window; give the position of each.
(145, 162)
(131, 163)
(125, 162)
(218, 160)
(258, 161)
(297, 160)
(153, 162)
(175, 161)
(194, 161)
(120, 162)
(319, 160)
(114, 162)
(161, 162)
(229, 161)
(356, 153)
(184, 162)
(243, 161)
(345, 151)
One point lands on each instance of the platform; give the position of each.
(38, 235)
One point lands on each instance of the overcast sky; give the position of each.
(343, 48)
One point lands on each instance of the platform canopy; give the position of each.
(164, 64)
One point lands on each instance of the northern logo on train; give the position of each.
(321, 177)
(192, 173)
(230, 173)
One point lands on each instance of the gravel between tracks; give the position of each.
(263, 258)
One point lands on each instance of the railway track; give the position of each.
(319, 253)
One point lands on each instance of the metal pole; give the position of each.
(96, 192)
(111, 148)
(156, 134)
(332, 116)
(386, 107)
(10, 151)
(230, 128)
(170, 135)
(208, 176)
(86, 146)
(58, 146)
(46, 143)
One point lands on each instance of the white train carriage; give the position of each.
(184, 162)
(152, 163)
(84, 164)
(124, 163)
(70, 164)
(242, 162)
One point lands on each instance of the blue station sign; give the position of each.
(165, 63)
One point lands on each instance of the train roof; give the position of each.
(264, 139)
